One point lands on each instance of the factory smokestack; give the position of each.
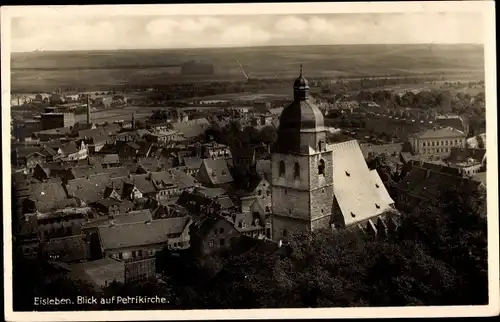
(133, 121)
(88, 109)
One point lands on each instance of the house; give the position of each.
(144, 239)
(437, 141)
(95, 138)
(88, 190)
(67, 249)
(140, 186)
(100, 273)
(214, 150)
(108, 206)
(164, 137)
(110, 160)
(421, 184)
(244, 158)
(128, 149)
(213, 233)
(215, 173)
(259, 189)
(52, 134)
(191, 129)
(45, 196)
(192, 165)
(73, 151)
(48, 170)
(252, 224)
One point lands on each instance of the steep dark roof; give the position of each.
(47, 195)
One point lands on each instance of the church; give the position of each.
(318, 185)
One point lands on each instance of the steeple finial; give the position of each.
(301, 70)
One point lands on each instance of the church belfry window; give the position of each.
(282, 168)
(321, 145)
(321, 167)
(296, 171)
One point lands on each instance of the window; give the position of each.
(267, 209)
(423, 144)
(222, 241)
(282, 168)
(320, 145)
(377, 206)
(268, 193)
(259, 192)
(296, 171)
(353, 215)
(347, 174)
(211, 244)
(221, 230)
(321, 167)
(240, 224)
(120, 255)
(286, 191)
(284, 233)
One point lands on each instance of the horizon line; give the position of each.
(258, 46)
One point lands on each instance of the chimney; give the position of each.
(88, 109)
(133, 121)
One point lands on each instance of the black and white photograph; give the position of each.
(223, 159)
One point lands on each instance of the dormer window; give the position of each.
(321, 167)
(296, 171)
(282, 168)
(353, 215)
(376, 185)
(347, 174)
(377, 205)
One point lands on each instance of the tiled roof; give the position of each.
(110, 159)
(462, 154)
(86, 171)
(182, 179)
(438, 133)
(192, 162)
(69, 249)
(355, 187)
(48, 195)
(116, 172)
(69, 148)
(89, 189)
(142, 182)
(192, 128)
(217, 170)
(389, 149)
(427, 184)
(140, 234)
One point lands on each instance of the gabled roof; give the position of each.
(89, 189)
(355, 187)
(182, 179)
(116, 172)
(462, 154)
(143, 183)
(69, 148)
(85, 171)
(47, 195)
(216, 170)
(192, 128)
(480, 177)
(142, 233)
(162, 180)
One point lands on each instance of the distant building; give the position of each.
(57, 120)
(437, 141)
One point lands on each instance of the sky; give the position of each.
(151, 32)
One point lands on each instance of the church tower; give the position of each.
(302, 173)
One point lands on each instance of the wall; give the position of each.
(212, 240)
(290, 225)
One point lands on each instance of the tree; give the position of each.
(268, 134)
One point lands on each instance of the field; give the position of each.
(98, 70)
